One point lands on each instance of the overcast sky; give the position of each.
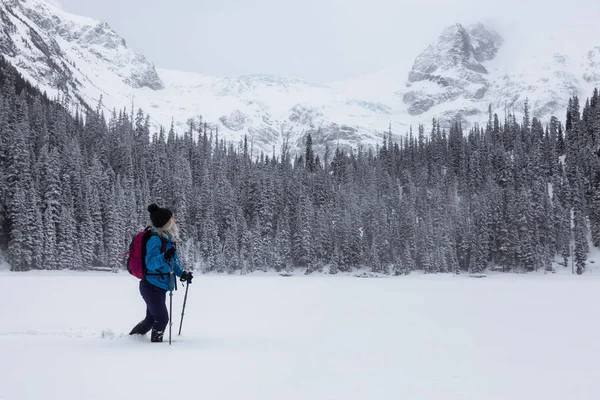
(315, 40)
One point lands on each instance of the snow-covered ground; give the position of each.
(63, 336)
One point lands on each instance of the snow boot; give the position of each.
(137, 330)
(157, 336)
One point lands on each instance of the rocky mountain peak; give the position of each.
(452, 67)
(456, 49)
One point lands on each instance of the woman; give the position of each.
(161, 252)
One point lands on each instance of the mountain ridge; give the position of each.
(455, 78)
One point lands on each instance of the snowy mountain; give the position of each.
(77, 55)
(470, 68)
(452, 68)
(87, 60)
(467, 69)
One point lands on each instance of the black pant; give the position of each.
(157, 316)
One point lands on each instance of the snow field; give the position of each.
(64, 335)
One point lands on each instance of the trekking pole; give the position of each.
(170, 300)
(183, 309)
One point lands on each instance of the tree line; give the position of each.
(512, 195)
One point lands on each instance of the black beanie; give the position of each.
(159, 216)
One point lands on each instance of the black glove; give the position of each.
(186, 277)
(169, 254)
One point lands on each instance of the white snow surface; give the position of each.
(64, 335)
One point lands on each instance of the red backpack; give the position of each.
(136, 260)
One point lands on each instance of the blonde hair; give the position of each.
(170, 229)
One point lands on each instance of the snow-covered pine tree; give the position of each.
(19, 255)
(35, 229)
(66, 239)
(579, 224)
(50, 186)
(114, 235)
(284, 243)
(302, 248)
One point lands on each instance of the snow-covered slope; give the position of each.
(269, 109)
(70, 54)
(86, 60)
(467, 69)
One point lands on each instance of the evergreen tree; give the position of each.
(302, 249)
(310, 155)
(65, 239)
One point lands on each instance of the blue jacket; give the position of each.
(156, 264)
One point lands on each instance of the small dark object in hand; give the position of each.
(187, 277)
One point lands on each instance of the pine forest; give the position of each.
(511, 194)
